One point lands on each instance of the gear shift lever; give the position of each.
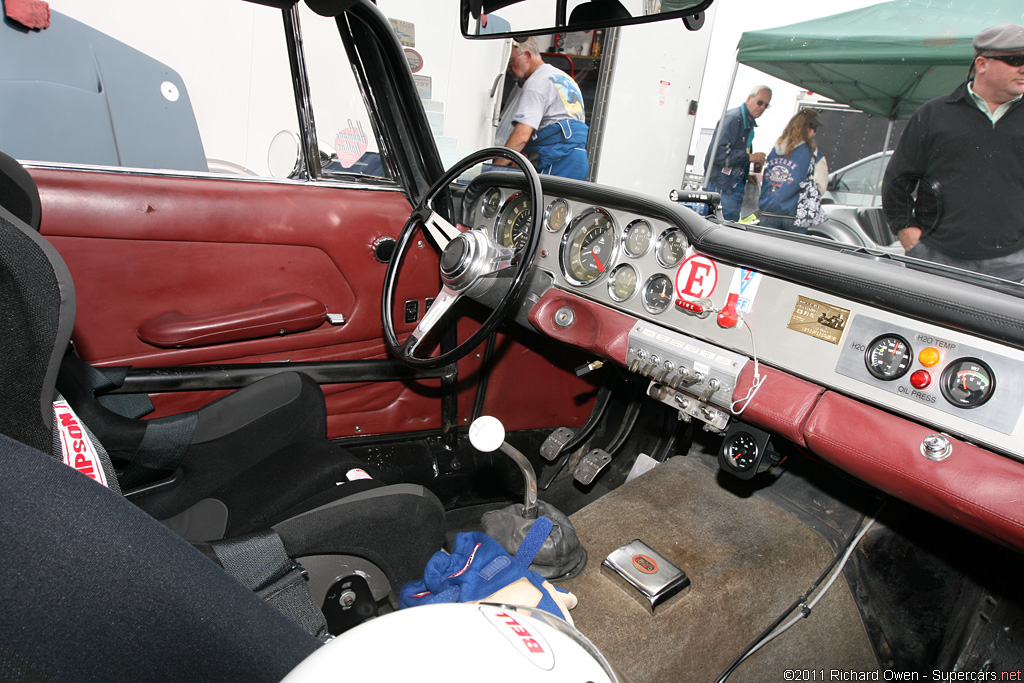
(487, 434)
(561, 556)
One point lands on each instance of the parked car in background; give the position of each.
(859, 183)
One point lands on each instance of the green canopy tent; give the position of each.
(887, 59)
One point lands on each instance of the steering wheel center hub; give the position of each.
(455, 256)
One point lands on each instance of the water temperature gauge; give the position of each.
(888, 357)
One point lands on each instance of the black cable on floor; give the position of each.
(756, 643)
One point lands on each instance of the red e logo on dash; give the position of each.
(696, 278)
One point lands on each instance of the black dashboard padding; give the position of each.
(830, 266)
(881, 282)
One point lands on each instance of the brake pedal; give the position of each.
(591, 465)
(552, 445)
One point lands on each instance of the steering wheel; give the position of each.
(471, 262)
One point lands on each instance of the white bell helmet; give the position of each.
(459, 641)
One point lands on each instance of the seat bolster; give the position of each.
(397, 527)
(287, 391)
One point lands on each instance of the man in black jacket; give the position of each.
(971, 143)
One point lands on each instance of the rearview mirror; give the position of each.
(509, 18)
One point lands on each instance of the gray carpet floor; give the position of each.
(747, 560)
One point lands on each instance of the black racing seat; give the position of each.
(95, 589)
(200, 471)
(303, 489)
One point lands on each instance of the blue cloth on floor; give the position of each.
(477, 568)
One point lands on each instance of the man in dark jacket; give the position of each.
(726, 170)
(971, 143)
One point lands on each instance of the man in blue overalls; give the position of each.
(727, 172)
(548, 118)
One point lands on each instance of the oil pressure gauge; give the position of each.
(888, 357)
(968, 382)
(745, 451)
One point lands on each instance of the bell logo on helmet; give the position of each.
(76, 447)
(523, 637)
(645, 564)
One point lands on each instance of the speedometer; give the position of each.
(513, 226)
(589, 247)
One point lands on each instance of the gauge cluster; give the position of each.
(942, 373)
(615, 256)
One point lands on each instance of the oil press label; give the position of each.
(818, 319)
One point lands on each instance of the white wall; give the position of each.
(658, 72)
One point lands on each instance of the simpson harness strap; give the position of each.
(259, 561)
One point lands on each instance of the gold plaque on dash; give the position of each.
(818, 319)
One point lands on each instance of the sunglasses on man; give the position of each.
(762, 103)
(1012, 60)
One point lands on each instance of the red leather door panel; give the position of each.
(141, 247)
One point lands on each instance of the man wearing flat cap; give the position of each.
(971, 144)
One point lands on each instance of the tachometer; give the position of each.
(589, 247)
(968, 382)
(657, 293)
(888, 357)
(513, 226)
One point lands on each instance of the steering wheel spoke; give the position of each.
(440, 230)
(443, 302)
(470, 263)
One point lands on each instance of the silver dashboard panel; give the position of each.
(1000, 412)
(767, 306)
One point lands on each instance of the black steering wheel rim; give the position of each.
(417, 218)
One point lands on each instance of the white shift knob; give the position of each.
(486, 433)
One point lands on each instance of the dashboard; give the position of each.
(696, 321)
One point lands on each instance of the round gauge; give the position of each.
(491, 202)
(657, 293)
(513, 226)
(636, 238)
(888, 357)
(741, 451)
(588, 248)
(671, 247)
(556, 215)
(622, 282)
(968, 382)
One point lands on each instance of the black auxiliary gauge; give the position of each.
(888, 357)
(968, 382)
(745, 451)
